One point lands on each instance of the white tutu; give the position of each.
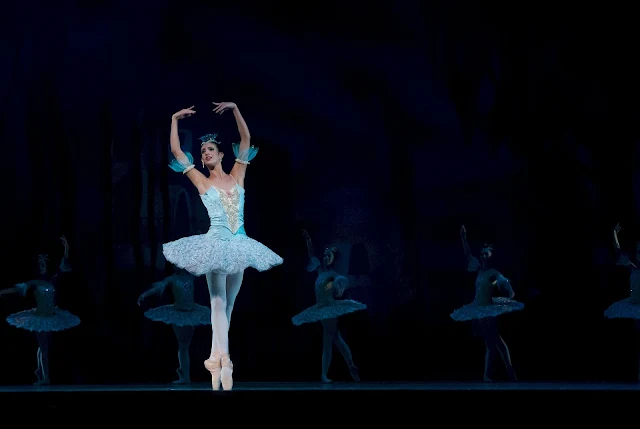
(624, 309)
(60, 320)
(331, 310)
(474, 311)
(172, 315)
(205, 253)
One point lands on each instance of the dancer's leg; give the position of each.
(184, 335)
(234, 282)
(44, 339)
(329, 332)
(219, 325)
(494, 341)
(346, 354)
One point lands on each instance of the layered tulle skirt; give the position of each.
(172, 315)
(60, 320)
(475, 311)
(206, 253)
(624, 309)
(326, 311)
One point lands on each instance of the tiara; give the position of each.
(488, 246)
(209, 138)
(43, 257)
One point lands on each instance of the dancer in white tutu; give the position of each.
(46, 318)
(225, 251)
(485, 308)
(329, 285)
(628, 308)
(183, 315)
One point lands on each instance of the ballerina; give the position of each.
(628, 308)
(225, 251)
(329, 285)
(46, 318)
(183, 315)
(485, 309)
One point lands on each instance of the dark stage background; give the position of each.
(387, 125)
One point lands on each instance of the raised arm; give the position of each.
(243, 151)
(314, 263)
(156, 288)
(621, 257)
(472, 262)
(183, 162)
(64, 266)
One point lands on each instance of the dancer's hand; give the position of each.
(184, 113)
(463, 232)
(306, 235)
(140, 299)
(328, 286)
(65, 243)
(617, 229)
(223, 107)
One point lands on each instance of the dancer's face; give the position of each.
(485, 254)
(211, 156)
(328, 259)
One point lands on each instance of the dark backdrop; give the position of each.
(388, 125)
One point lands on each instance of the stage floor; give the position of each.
(361, 401)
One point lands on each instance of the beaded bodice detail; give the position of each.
(225, 209)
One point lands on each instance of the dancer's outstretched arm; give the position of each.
(183, 162)
(157, 288)
(20, 288)
(472, 262)
(243, 151)
(621, 256)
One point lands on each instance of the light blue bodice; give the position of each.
(226, 211)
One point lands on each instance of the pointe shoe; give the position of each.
(226, 374)
(353, 370)
(325, 379)
(213, 366)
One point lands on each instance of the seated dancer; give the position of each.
(46, 317)
(628, 308)
(485, 309)
(329, 285)
(225, 251)
(183, 315)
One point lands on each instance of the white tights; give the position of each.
(223, 290)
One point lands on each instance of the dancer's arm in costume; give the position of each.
(621, 257)
(156, 288)
(314, 262)
(503, 284)
(472, 262)
(21, 288)
(243, 151)
(183, 162)
(64, 266)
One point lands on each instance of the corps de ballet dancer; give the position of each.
(329, 285)
(485, 308)
(183, 315)
(628, 308)
(46, 318)
(225, 251)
